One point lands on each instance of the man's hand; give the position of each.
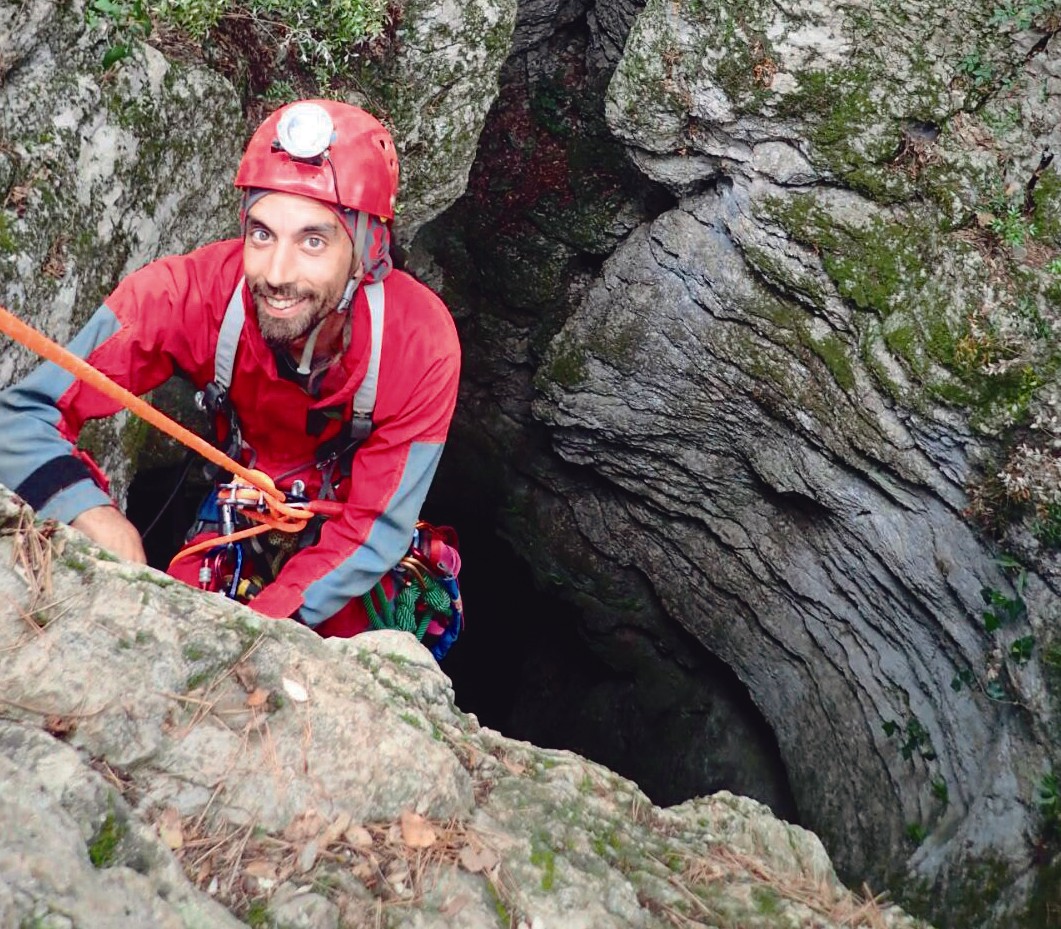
(108, 527)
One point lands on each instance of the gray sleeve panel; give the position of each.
(388, 540)
(72, 501)
(29, 421)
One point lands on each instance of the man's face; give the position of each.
(297, 258)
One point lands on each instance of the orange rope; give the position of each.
(218, 541)
(35, 341)
(281, 515)
(266, 524)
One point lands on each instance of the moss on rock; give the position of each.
(912, 278)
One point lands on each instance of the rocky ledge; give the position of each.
(172, 759)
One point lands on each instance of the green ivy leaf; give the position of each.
(114, 54)
(1021, 649)
(1048, 791)
(940, 791)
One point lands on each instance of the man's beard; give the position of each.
(280, 332)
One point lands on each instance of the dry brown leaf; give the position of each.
(307, 825)
(471, 756)
(17, 197)
(170, 829)
(983, 220)
(455, 905)
(514, 766)
(60, 726)
(477, 860)
(417, 832)
(246, 674)
(358, 836)
(261, 868)
(364, 871)
(257, 698)
(55, 261)
(337, 829)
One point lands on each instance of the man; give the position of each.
(307, 316)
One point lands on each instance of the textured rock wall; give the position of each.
(813, 407)
(101, 172)
(173, 759)
(648, 702)
(433, 89)
(761, 371)
(817, 560)
(774, 394)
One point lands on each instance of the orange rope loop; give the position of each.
(216, 542)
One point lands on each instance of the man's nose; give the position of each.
(280, 268)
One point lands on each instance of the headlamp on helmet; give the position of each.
(305, 131)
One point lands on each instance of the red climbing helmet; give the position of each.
(326, 150)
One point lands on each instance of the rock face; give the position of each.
(800, 366)
(324, 783)
(434, 89)
(102, 172)
(804, 532)
(811, 408)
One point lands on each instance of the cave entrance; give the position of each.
(524, 668)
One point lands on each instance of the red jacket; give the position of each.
(164, 319)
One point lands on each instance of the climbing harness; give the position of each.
(252, 501)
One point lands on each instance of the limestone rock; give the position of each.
(846, 90)
(750, 465)
(610, 23)
(433, 90)
(102, 172)
(63, 829)
(788, 397)
(321, 783)
(536, 20)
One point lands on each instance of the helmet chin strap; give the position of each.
(360, 228)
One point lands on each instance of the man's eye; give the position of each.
(259, 235)
(315, 242)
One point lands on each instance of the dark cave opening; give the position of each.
(523, 668)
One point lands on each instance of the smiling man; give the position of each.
(322, 366)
